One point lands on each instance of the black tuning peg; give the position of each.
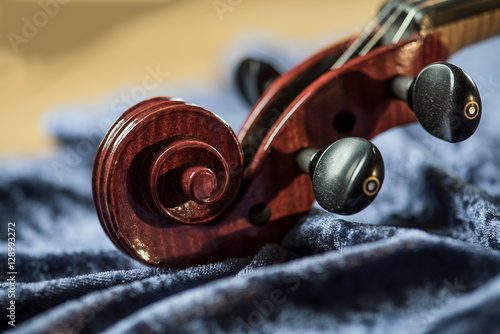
(346, 176)
(253, 76)
(445, 100)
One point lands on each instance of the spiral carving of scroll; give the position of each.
(163, 163)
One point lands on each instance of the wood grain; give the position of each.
(155, 210)
(462, 33)
(273, 188)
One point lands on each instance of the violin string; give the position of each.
(385, 27)
(367, 31)
(409, 18)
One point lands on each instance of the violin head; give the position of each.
(174, 186)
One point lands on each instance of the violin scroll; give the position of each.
(160, 166)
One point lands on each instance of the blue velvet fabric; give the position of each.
(423, 258)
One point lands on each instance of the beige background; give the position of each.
(79, 50)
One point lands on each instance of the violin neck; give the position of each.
(460, 22)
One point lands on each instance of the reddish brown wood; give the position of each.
(166, 178)
(281, 93)
(199, 184)
(150, 173)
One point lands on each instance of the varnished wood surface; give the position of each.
(273, 180)
(169, 223)
(470, 30)
(146, 178)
